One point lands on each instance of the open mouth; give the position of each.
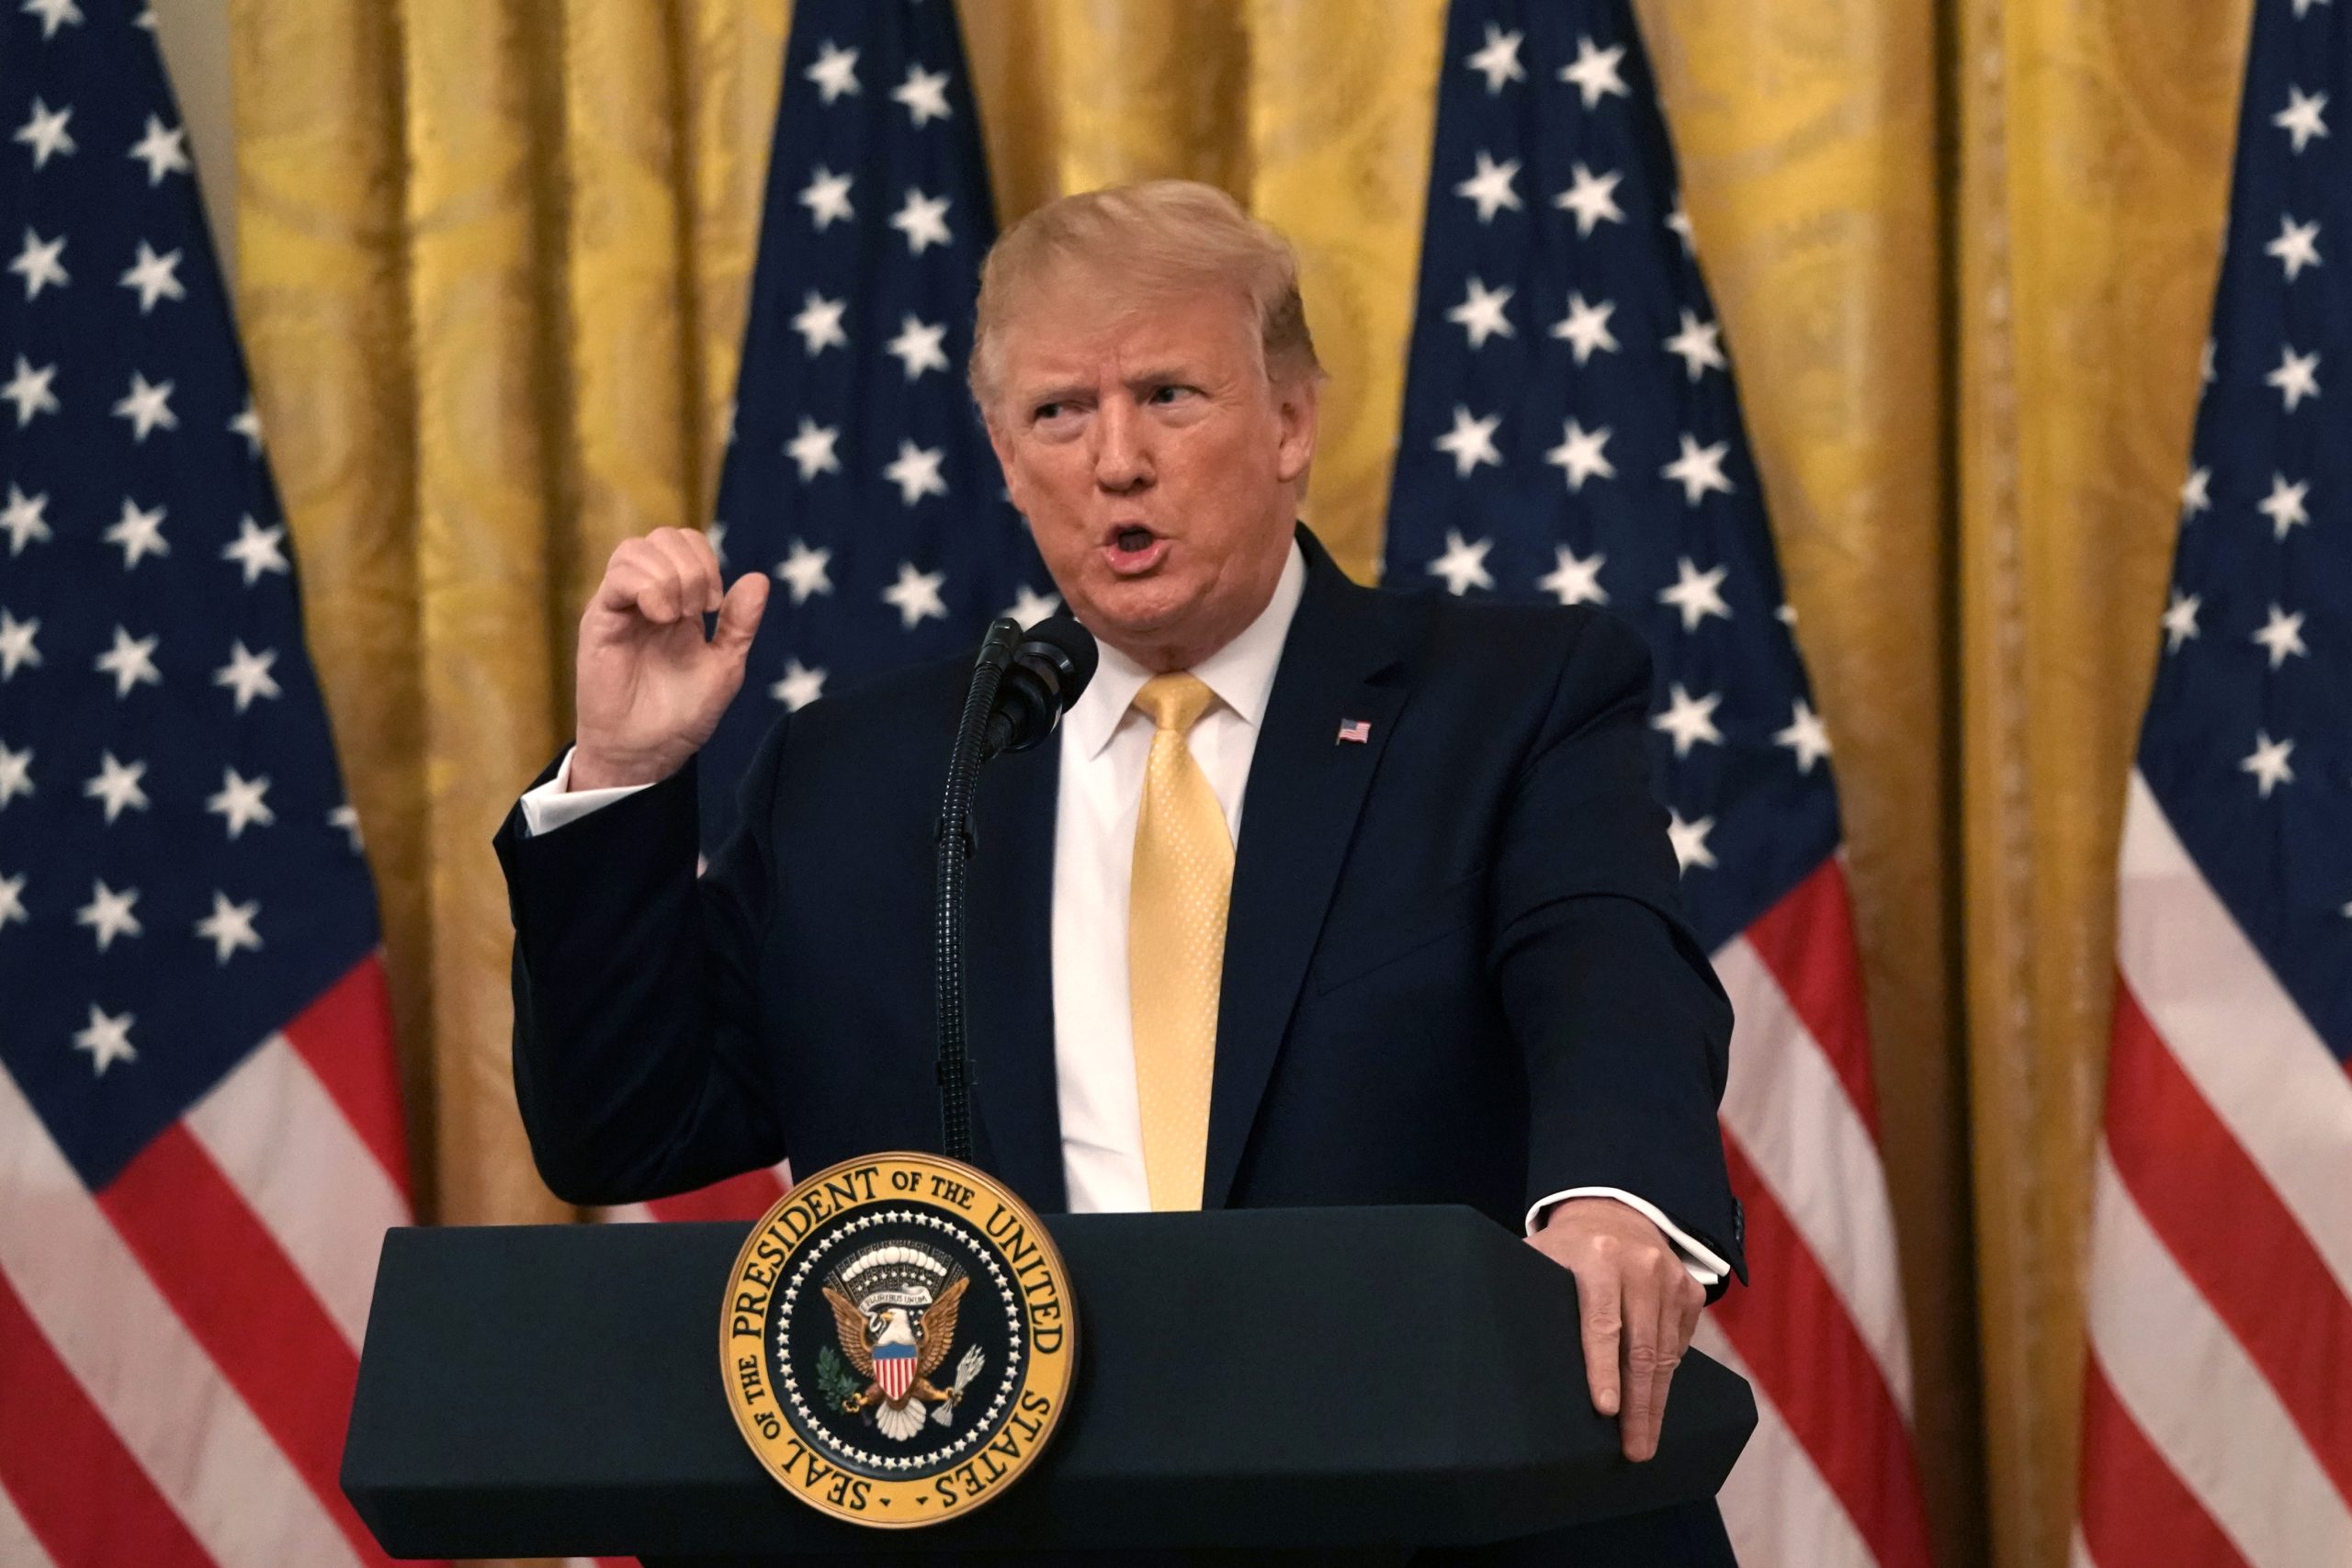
(1132, 549)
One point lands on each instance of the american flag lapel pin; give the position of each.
(1356, 729)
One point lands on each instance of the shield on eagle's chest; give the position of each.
(894, 1369)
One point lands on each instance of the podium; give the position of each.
(1254, 1380)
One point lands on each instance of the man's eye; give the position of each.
(1049, 411)
(1167, 394)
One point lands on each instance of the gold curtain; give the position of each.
(495, 261)
(493, 266)
(2093, 143)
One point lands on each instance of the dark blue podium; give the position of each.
(1255, 1382)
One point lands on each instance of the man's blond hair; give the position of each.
(1157, 240)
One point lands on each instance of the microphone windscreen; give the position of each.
(1076, 644)
(1042, 681)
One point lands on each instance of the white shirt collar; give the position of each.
(1241, 673)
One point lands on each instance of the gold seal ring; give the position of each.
(898, 1339)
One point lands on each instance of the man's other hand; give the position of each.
(1639, 1306)
(652, 688)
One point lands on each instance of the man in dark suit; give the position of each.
(1438, 959)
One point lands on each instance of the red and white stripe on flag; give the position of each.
(894, 1369)
(178, 1349)
(1830, 1478)
(2217, 1422)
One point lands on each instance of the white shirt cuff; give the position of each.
(556, 803)
(1702, 1262)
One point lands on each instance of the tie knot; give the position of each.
(1175, 701)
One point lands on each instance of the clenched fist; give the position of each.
(652, 688)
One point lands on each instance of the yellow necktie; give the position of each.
(1176, 908)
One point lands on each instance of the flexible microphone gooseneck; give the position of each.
(1022, 684)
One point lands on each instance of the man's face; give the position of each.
(1156, 466)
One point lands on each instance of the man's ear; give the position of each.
(1295, 412)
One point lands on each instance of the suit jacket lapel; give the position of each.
(1305, 790)
(1009, 974)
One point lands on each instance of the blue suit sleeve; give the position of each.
(1624, 1028)
(638, 1066)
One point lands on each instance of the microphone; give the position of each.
(1022, 684)
(1049, 667)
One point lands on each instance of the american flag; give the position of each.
(2217, 1422)
(1571, 430)
(857, 471)
(200, 1133)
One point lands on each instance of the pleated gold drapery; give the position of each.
(493, 264)
(494, 259)
(2094, 146)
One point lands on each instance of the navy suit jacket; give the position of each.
(1454, 969)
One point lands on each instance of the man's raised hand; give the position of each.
(650, 687)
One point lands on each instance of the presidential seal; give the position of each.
(898, 1339)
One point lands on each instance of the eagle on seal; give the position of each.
(893, 1337)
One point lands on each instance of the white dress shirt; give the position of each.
(1105, 742)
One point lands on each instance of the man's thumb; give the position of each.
(739, 614)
